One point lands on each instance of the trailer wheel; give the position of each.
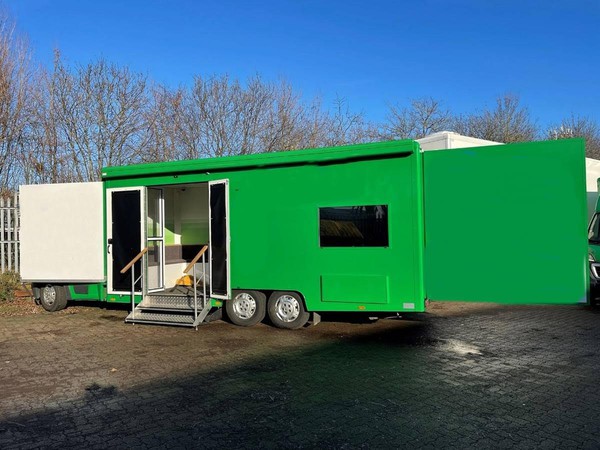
(53, 298)
(286, 310)
(246, 308)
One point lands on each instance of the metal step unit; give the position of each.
(177, 310)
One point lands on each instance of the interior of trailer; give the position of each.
(155, 234)
(177, 229)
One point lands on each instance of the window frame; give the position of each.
(381, 241)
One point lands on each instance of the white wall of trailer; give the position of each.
(62, 232)
(445, 140)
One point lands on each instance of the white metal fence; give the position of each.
(9, 233)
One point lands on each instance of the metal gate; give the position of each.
(9, 233)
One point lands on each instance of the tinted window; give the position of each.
(354, 226)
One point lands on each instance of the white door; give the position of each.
(155, 241)
(125, 217)
(218, 212)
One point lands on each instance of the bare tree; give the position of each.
(423, 117)
(507, 122)
(285, 121)
(98, 111)
(220, 116)
(343, 126)
(229, 117)
(171, 132)
(581, 127)
(15, 93)
(46, 158)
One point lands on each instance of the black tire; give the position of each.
(287, 310)
(246, 308)
(53, 298)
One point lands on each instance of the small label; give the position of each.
(408, 305)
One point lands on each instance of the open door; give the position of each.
(218, 201)
(125, 235)
(155, 241)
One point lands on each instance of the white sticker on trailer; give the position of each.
(61, 234)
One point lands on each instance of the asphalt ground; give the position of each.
(459, 376)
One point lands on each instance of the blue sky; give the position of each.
(372, 53)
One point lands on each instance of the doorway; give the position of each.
(173, 222)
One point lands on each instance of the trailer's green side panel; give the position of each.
(506, 223)
(274, 203)
(83, 291)
(275, 234)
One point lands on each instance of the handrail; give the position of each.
(196, 258)
(134, 260)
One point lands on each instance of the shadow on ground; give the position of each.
(525, 378)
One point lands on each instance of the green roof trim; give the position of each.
(292, 157)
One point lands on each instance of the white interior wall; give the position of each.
(186, 208)
(173, 272)
(192, 214)
(170, 214)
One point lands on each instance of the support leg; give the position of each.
(316, 319)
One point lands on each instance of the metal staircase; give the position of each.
(179, 306)
(168, 309)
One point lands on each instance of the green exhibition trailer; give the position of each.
(374, 228)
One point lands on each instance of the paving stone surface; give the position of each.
(460, 376)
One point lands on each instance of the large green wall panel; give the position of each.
(506, 223)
